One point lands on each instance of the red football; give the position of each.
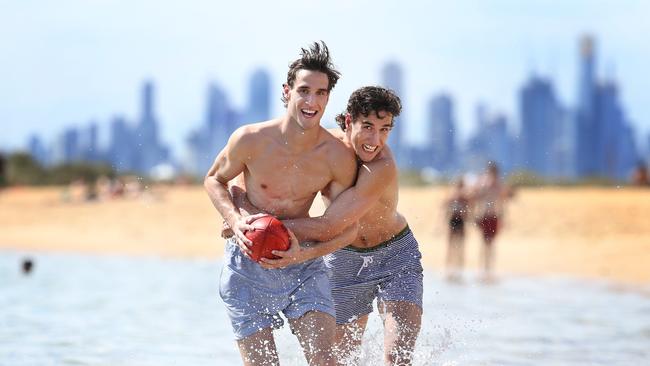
(269, 234)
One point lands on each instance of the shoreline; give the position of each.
(580, 233)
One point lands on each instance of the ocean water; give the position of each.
(112, 310)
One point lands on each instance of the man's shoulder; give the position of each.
(383, 166)
(337, 133)
(335, 144)
(257, 130)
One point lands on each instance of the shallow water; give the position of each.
(90, 310)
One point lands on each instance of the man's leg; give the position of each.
(316, 331)
(259, 349)
(455, 256)
(348, 340)
(488, 258)
(402, 322)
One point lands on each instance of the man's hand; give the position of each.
(295, 254)
(240, 227)
(226, 231)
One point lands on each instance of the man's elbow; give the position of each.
(210, 182)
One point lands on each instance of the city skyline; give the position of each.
(556, 141)
(65, 68)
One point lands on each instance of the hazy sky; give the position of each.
(67, 62)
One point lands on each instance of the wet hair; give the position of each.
(369, 99)
(316, 58)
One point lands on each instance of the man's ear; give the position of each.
(348, 120)
(285, 91)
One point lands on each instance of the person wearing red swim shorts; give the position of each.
(489, 196)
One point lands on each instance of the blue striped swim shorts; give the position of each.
(255, 296)
(390, 271)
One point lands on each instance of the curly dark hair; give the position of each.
(369, 99)
(316, 58)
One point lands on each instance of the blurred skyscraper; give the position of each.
(564, 146)
(70, 147)
(150, 151)
(392, 77)
(605, 141)
(37, 149)
(259, 100)
(441, 142)
(617, 153)
(540, 130)
(221, 120)
(122, 145)
(90, 144)
(491, 141)
(588, 129)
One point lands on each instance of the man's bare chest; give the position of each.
(289, 177)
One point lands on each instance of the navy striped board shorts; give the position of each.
(390, 271)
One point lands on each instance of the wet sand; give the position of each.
(582, 232)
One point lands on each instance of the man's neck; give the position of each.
(296, 138)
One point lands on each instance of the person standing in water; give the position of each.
(489, 197)
(457, 210)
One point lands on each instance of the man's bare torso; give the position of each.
(283, 182)
(382, 221)
(489, 197)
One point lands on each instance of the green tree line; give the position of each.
(22, 169)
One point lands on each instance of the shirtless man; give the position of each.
(489, 196)
(285, 162)
(383, 261)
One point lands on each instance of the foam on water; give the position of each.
(87, 310)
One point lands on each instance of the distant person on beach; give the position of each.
(285, 162)
(383, 262)
(457, 207)
(489, 197)
(26, 266)
(640, 175)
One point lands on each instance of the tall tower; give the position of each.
(588, 141)
(37, 149)
(442, 133)
(122, 148)
(148, 126)
(539, 125)
(392, 78)
(587, 82)
(259, 100)
(217, 117)
(150, 150)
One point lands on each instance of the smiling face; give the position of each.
(307, 98)
(368, 134)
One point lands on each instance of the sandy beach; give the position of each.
(581, 232)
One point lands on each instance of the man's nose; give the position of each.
(374, 138)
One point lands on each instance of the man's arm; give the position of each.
(298, 252)
(227, 165)
(350, 205)
(237, 189)
(302, 252)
